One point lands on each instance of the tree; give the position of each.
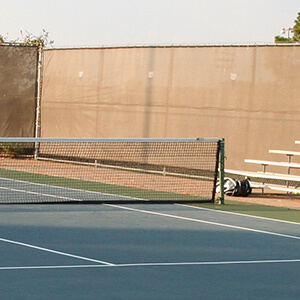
(281, 39)
(295, 33)
(296, 29)
(30, 39)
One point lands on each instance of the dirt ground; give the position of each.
(274, 199)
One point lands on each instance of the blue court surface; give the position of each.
(145, 252)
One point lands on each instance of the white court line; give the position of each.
(159, 264)
(128, 197)
(56, 252)
(206, 222)
(238, 214)
(60, 187)
(40, 194)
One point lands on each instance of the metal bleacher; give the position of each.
(273, 181)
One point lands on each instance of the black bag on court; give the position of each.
(238, 188)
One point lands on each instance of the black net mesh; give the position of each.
(108, 171)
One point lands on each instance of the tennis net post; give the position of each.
(222, 170)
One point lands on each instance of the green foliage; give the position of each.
(30, 39)
(14, 150)
(295, 31)
(11, 150)
(2, 39)
(280, 39)
(33, 40)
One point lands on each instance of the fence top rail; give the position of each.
(284, 152)
(103, 140)
(272, 163)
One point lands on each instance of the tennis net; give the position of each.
(70, 170)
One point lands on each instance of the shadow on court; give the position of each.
(104, 252)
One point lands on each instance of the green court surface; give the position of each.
(266, 211)
(148, 252)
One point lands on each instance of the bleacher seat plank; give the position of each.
(273, 163)
(286, 152)
(266, 175)
(275, 187)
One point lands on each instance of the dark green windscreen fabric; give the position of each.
(18, 85)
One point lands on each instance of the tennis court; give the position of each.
(136, 251)
(127, 249)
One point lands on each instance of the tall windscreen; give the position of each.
(18, 92)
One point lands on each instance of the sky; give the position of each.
(79, 23)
